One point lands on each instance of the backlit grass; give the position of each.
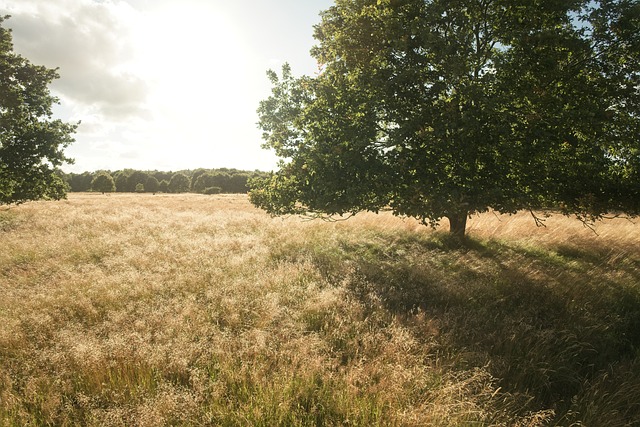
(141, 310)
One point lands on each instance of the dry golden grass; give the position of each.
(140, 310)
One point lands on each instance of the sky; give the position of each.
(164, 84)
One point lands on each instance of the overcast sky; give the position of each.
(164, 84)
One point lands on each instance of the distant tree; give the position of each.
(80, 182)
(445, 108)
(202, 181)
(103, 182)
(238, 183)
(152, 185)
(164, 186)
(31, 142)
(120, 179)
(160, 176)
(180, 183)
(139, 188)
(194, 178)
(222, 180)
(136, 177)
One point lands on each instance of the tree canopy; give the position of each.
(444, 108)
(103, 182)
(224, 180)
(152, 185)
(31, 141)
(179, 183)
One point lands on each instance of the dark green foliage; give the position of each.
(31, 142)
(237, 183)
(194, 179)
(179, 183)
(161, 175)
(152, 185)
(103, 183)
(220, 180)
(228, 183)
(227, 180)
(80, 182)
(447, 108)
(202, 181)
(121, 181)
(135, 178)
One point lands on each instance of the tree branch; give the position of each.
(539, 221)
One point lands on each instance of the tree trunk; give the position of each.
(458, 224)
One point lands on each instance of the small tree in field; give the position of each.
(238, 183)
(136, 177)
(179, 183)
(31, 142)
(121, 179)
(152, 185)
(444, 108)
(103, 183)
(81, 182)
(202, 182)
(194, 179)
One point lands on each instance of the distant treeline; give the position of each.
(205, 181)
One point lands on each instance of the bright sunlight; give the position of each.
(164, 84)
(195, 61)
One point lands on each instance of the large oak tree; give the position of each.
(31, 141)
(444, 108)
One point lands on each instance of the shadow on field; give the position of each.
(559, 327)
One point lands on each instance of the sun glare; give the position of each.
(189, 52)
(195, 64)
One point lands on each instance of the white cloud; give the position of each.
(91, 45)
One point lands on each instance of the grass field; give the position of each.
(191, 310)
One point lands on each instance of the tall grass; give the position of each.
(140, 310)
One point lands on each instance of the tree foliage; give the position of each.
(444, 108)
(221, 180)
(134, 178)
(121, 179)
(179, 183)
(103, 182)
(202, 181)
(80, 182)
(31, 141)
(152, 185)
(225, 182)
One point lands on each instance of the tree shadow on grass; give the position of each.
(549, 323)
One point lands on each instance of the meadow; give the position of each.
(193, 310)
